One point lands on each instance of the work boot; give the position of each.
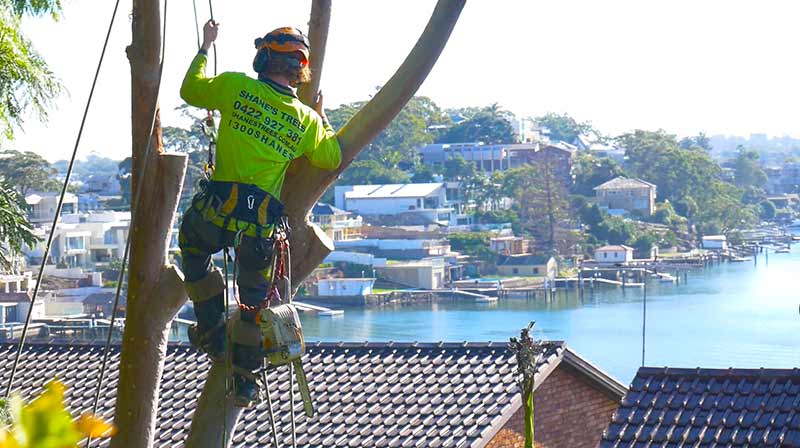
(245, 388)
(210, 342)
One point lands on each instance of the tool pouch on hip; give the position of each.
(246, 202)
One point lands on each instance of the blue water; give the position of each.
(739, 314)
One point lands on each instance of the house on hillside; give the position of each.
(42, 206)
(528, 266)
(428, 202)
(708, 407)
(510, 245)
(338, 224)
(631, 195)
(366, 394)
(559, 157)
(619, 254)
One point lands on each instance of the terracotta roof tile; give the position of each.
(365, 394)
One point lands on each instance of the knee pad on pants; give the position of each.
(207, 287)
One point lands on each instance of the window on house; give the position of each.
(535, 270)
(75, 243)
(110, 237)
(605, 254)
(515, 270)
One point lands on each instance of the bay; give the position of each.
(727, 315)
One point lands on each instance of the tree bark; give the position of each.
(155, 290)
(305, 184)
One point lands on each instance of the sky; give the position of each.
(686, 66)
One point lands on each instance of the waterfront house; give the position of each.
(715, 242)
(510, 245)
(528, 266)
(398, 249)
(101, 304)
(617, 254)
(708, 407)
(365, 394)
(423, 274)
(344, 287)
(338, 224)
(424, 202)
(630, 195)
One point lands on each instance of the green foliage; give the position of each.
(656, 158)
(541, 201)
(665, 214)
(28, 171)
(615, 230)
(367, 172)
(748, 169)
(563, 127)
(768, 211)
(15, 229)
(497, 217)
(422, 174)
(475, 244)
(591, 171)
(699, 141)
(400, 141)
(490, 125)
(26, 83)
(457, 168)
(643, 243)
(46, 423)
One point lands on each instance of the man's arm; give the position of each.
(324, 152)
(197, 89)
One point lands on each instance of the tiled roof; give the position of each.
(708, 408)
(623, 182)
(614, 248)
(366, 394)
(393, 191)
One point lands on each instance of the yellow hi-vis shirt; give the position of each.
(263, 128)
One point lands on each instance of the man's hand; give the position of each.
(318, 106)
(210, 30)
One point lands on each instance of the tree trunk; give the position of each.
(155, 290)
(305, 184)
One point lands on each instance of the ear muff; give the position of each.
(262, 56)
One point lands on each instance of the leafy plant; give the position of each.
(46, 423)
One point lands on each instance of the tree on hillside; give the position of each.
(748, 171)
(699, 141)
(15, 229)
(490, 125)
(400, 141)
(372, 172)
(28, 171)
(26, 82)
(541, 202)
(591, 171)
(656, 158)
(563, 127)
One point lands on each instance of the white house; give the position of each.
(43, 206)
(82, 240)
(339, 287)
(715, 242)
(613, 254)
(424, 274)
(428, 200)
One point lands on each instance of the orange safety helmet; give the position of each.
(281, 40)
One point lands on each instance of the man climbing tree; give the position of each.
(264, 126)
